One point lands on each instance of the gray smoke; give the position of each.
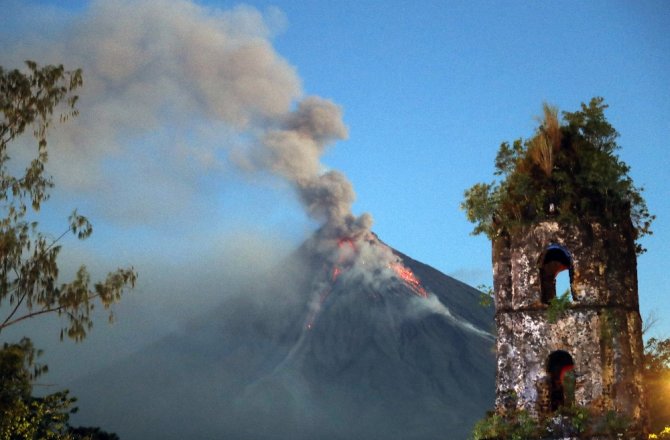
(174, 91)
(170, 88)
(294, 151)
(178, 96)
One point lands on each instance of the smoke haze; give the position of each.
(185, 114)
(373, 363)
(172, 91)
(194, 140)
(185, 110)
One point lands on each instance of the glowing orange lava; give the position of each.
(343, 257)
(346, 255)
(348, 241)
(409, 278)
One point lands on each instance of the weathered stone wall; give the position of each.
(606, 365)
(601, 330)
(604, 269)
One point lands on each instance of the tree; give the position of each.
(568, 171)
(28, 258)
(25, 417)
(657, 382)
(29, 276)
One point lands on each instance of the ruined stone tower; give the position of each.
(596, 338)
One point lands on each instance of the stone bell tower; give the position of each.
(597, 336)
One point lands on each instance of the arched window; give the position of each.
(556, 260)
(560, 369)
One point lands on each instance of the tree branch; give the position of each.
(18, 304)
(19, 275)
(41, 312)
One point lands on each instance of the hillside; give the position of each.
(317, 350)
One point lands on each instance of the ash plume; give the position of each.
(294, 151)
(177, 98)
(178, 95)
(175, 91)
(171, 90)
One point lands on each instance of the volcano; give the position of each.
(336, 343)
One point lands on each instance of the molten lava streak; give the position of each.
(345, 259)
(410, 279)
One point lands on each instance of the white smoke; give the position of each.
(170, 88)
(177, 95)
(175, 91)
(432, 304)
(294, 151)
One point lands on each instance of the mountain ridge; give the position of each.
(316, 350)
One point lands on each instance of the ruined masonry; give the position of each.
(591, 354)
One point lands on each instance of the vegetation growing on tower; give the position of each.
(568, 171)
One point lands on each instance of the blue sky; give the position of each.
(428, 91)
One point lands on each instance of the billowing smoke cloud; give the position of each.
(170, 89)
(178, 97)
(173, 90)
(294, 152)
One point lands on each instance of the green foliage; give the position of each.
(571, 421)
(480, 205)
(25, 417)
(657, 355)
(28, 258)
(21, 415)
(663, 434)
(656, 378)
(568, 421)
(16, 362)
(579, 417)
(568, 172)
(515, 425)
(490, 427)
(614, 424)
(92, 433)
(39, 418)
(487, 295)
(557, 306)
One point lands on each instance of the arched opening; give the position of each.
(560, 368)
(556, 260)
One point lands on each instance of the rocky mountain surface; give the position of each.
(328, 346)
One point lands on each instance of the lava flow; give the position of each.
(406, 274)
(344, 258)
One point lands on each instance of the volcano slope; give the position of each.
(333, 347)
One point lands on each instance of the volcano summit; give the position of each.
(337, 343)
